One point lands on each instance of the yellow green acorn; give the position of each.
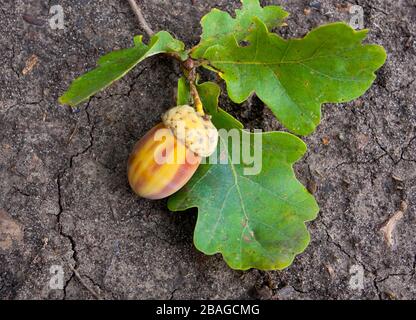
(168, 155)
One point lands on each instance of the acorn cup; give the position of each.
(168, 155)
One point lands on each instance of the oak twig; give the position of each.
(138, 12)
(188, 66)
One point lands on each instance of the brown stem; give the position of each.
(189, 70)
(197, 100)
(138, 12)
(188, 66)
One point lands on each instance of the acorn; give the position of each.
(168, 155)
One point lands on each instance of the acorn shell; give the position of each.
(158, 168)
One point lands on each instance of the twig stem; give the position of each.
(138, 12)
(188, 66)
(189, 70)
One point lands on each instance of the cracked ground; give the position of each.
(64, 196)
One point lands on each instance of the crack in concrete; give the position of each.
(64, 234)
(3, 11)
(12, 59)
(377, 282)
(131, 86)
(414, 264)
(303, 291)
(373, 273)
(161, 238)
(378, 291)
(91, 137)
(369, 162)
(61, 174)
(403, 87)
(355, 259)
(173, 293)
(405, 148)
(331, 240)
(17, 190)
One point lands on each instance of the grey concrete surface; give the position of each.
(64, 196)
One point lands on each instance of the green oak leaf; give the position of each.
(217, 24)
(117, 64)
(294, 77)
(255, 221)
(209, 92)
